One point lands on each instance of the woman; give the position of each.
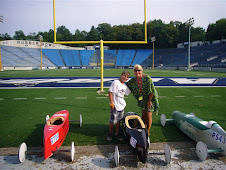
(144, 91)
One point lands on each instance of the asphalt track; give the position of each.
(94, 82)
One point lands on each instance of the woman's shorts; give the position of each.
(116, 116)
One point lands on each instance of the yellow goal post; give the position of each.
(101, 42)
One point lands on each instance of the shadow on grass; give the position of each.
(35, 138)
(173, 134)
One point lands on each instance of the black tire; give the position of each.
(142, 155)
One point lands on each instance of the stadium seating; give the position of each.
(125, 57)
(206, 55)
(15, 56)
(200, 56)
(71, 57)
(35, 54)
(141, 55)
(54, 56)
(85, 56)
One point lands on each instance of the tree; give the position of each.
(79, 36)
(31, 36)
(198, 34)
(19, 35)
(63, 34)
(104, 30)
(5, 37)
(93, 34)
(221, 28)
(216, 31)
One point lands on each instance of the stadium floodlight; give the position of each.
(1, 19)
(41, 39)
(101, 42)
(189, 23)
(153, 39)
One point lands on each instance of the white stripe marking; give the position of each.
(162, 96)
(101, 97)
(81, 98)
(180, 96)
(40, 98)
(198, 96)
(20, 99)
(1, 98)
(60, 98)
(216, 96)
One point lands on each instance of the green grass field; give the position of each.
(23, 111)
(107, 73)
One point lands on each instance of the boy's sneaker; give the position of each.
(109, 137)
(120, 138)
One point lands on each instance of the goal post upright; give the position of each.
(101, 42)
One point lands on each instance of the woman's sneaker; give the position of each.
(109, 137)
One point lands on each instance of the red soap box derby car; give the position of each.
(55, 132)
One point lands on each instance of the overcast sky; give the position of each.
(37, 15)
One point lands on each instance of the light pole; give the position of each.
(41, 39)
(189, 23)
(1, 68)
(153, 53)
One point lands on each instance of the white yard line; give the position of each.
(81, 98)
(180, 96)
(40, 98)
(198, 96)
(19, 98)
(162, 96)
(60, 98)
(101, 97)
(215, 95)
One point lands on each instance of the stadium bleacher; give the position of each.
(54, 56)
(71, 57)
(35, 54)
(141, 56)
(85, 56)
(178, 57)
(206, 55)
(125, 57)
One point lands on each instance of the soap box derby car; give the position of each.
(134, 129)
(55, 131)
(210, 136)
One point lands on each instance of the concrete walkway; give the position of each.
(102, 157)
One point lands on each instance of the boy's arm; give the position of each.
(111, 100)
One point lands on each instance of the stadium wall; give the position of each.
(36, 44)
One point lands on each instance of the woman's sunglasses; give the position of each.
(137, 70)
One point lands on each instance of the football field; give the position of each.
(23, 110)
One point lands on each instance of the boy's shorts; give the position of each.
(116, 116)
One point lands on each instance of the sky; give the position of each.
(37, 15)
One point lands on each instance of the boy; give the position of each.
(116, 93)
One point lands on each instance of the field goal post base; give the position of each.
(101, 92)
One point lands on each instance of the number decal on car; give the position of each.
(218, 137)
(55, 138)
(133, 142)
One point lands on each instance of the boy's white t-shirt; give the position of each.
(118, 90)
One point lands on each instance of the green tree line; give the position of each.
(167, 35)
